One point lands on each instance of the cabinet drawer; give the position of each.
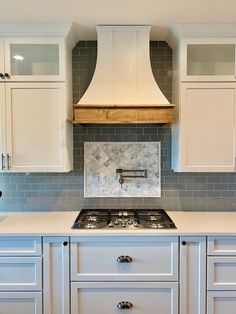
(21, 302)
(221, 246)
(20, 246)
(153, 259)
(221, 273)
(221, 302)
(20, 273)
(146, 298)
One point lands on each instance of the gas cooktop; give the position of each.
(123, 218)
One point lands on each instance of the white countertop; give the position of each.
(59, 223)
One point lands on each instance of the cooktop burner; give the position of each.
(123, 218)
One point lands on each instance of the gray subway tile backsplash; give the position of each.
(59, 192)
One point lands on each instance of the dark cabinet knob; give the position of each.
(7, 76)
(124, 305)
(0, 193)
(184, 242)
(2, 76)
(124, 259)
(65, 243)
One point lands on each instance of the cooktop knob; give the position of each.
(110, 225)
(136, 224)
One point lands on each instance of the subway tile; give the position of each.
(180, 191)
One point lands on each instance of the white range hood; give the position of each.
(123, 88)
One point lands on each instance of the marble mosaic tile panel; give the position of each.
(101, 159)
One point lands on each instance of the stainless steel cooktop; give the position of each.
(123, 218)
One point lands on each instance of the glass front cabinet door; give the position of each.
(208, 60)
(34, 59)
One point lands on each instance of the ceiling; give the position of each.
(87, 13)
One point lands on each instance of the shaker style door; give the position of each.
(208, 127)
(36, 127)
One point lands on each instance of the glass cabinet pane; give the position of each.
(211, 59)
(34, 59)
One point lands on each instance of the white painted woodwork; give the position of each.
(20, 246)
(146, 297)
(221, 246)
(206, 131)
(2, 68)
(193, 275)
(37, 127)
(35, 66)
(221, 302)
(221, 273)
(153, 258)
(20, 302)
(56, 277)
(2, 126)
(123, 73)
(207, 59)
(20, 273)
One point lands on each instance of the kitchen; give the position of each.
(56, 198)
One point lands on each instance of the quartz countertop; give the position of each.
(59, 224)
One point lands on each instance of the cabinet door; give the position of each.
(37, 128)
(20, 302)
(56, 275)
(207, 127)
(2, 128)
(221, 302)
(143, 297)
(31, 59)
(208, 59)
(192, 275)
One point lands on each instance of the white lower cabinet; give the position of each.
(21, 284)
(114, 297)
(56, 298)
(192, 275)
(116, 274)
(221, 278)
(21, 302)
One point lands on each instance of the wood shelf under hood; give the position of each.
(123, 114)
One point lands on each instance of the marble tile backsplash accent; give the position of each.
(101, 159)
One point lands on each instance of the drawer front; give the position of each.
(146, 298)
(20, 273)
(221, 302)
(20, 302)
(153, 259)
(20, 246)
(221, 273)
(221, 246)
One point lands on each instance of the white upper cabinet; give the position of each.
(36, 97)
(204, 90)
(34, 59)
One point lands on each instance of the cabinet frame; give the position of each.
(184, 77)
(27, 78)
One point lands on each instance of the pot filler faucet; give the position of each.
(121, 174)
